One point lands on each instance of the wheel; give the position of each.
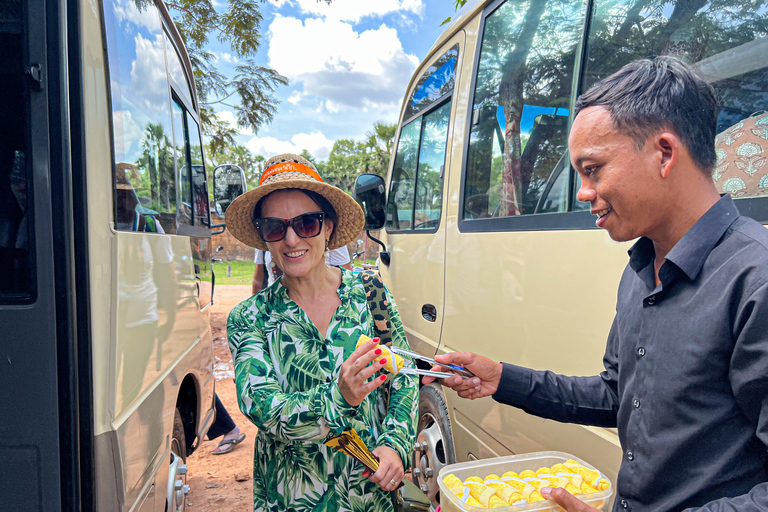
(176, 497)
(434, 441)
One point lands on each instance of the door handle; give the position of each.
(429, 312)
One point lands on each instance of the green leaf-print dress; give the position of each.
(286, 377)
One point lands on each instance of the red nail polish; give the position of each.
(376, 340)
(377, 351)
(383, 377)
(383, 361)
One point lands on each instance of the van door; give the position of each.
(415, 224)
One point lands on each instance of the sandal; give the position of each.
(229, 444)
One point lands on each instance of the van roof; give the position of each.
(466, 13)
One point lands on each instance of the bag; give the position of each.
(382, 325)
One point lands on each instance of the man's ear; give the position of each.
(667, 145)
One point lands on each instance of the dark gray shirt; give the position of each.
(686, 372)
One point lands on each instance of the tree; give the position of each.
(250, 91)
(378, 148)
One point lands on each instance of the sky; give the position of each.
(348, 64)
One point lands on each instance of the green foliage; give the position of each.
(250, 91)
(458, 5)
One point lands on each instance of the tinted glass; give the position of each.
(726, 43)
(145, 174)
(180, 142)
(429, 180)
(401, 190)
(176, 71)
(436, 81)
(520, 111)
(15, 169)
(199, 182)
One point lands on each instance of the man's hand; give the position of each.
(484, 383)
(390, 471)
(568, 501)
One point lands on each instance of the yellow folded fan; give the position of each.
(394, 362)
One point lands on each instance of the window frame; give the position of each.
(187, 153)
(554, 221)
(436, 104)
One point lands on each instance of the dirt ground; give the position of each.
(223, 483)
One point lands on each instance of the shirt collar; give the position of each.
(691, 251)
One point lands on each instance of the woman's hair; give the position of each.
(322, 202)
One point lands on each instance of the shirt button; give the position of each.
(624, 504)
(641, 351)
(636, 403)
(630, 456)
(651, 300)
(328, 380)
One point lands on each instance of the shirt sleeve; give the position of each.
(259, 258)
(749, 382)
(339, 256)
(399, 429)
(585, 400)
(300, 416)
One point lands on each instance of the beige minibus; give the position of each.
(487, 248)
(106, 380)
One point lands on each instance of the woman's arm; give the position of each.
(399, 429)
(301, 416)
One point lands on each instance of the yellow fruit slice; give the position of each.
(574, 478)
(559, 468)
(475, 479)
(496, 502)
(516, 498)
(463, 493)
(572, 489)
(544, 470)
(538, 483)
(527, 474)
(554, 480)
(535, 496)
(503, 489)
(394, 362)
(521, 485)
(510, 474)
(593, 478)
(587, 489)
(480, 491)
(452, 481)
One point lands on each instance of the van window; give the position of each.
(15, 168)
(519, 124)
(176, 71)
(437, 81)
(726, 47)
(180, 143)
(429, 177)
(400, 205)
(145, 175)
(199, 183)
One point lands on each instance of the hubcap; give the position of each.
(177, 475)
(429, 457)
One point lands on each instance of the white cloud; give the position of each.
(127, 131)
(355, 10)
(295, 97)
(148, 79)
(229, 117)
(331, 107)
(316, 143)
(226, 57)
(333, 61)
(126, 10)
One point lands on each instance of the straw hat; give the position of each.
(293, 171)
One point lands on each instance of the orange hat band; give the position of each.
(288, 167)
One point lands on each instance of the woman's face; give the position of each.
(296, 256)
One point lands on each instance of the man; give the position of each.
(686, 362)
(263, 260)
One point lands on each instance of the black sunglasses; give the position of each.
(306, 225)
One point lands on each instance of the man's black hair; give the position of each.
(649, 95)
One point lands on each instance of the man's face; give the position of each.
(622, 185)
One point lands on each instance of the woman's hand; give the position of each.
(484, 383)
(355, 372)
(390, 471)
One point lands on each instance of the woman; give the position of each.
(288, 344)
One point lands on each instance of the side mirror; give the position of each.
(369, 192)
(228, 184)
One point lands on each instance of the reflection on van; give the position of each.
(481, 182)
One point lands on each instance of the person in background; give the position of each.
(300, 376)
(264, 266)
(686, 362)
(224, 425)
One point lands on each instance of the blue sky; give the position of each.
(348, 64)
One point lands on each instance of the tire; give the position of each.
(434, 441)
(177, 473)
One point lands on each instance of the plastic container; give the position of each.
(449, 502)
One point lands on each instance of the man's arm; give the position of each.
(749, 382)
(258, 278)
(585, 400)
